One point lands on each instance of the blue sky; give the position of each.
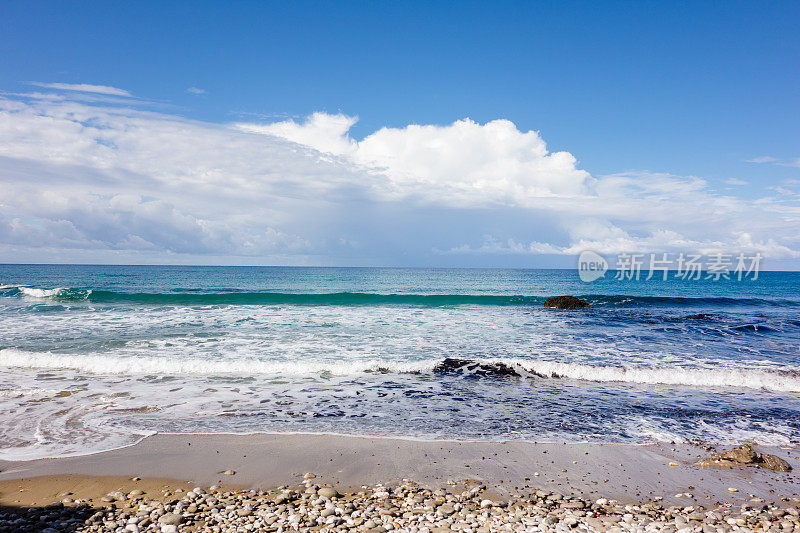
(653, 91)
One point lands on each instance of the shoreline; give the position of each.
(410, 438)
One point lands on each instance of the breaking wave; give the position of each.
(59, 293)
(786, 380)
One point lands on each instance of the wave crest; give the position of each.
(787, 380)
(59, 293)
(198, 297)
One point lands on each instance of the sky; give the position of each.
(492, 134)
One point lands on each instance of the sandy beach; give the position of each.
(418, 267)
(660, 475)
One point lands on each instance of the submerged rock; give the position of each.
(701, 316)
(453, 365)
(567, 302)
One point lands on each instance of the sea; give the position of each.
(98, 357)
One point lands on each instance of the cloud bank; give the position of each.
(114, 181)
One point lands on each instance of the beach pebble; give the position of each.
(170, 519)
(229, 473)
(328, 492)
(446, 509)
(573, 505)
(407, 507)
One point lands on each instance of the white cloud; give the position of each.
(107, 179)
(660, 241)
(795, 162)
(465, 163)
(735, 181)
(761, 159)
(195, 90)
(321, 131)
(94, 177)
(83, 87)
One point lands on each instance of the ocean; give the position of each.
(97, 357)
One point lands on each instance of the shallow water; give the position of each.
(94, 357)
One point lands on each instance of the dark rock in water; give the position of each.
(743, 456)
(467, 366)
(758, 328)
(567, 302)
(701, 316)
(773, 462)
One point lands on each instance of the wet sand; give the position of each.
(266, 461)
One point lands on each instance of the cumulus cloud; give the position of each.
(101, 180)
(465, 163)
(321, 131)
(195, 90)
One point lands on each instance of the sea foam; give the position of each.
(42, 293)
(767, 379)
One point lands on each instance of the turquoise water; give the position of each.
(94, 357)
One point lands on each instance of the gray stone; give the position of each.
(328, 492)
(446, 509)
(170, 519)
(573, 505)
